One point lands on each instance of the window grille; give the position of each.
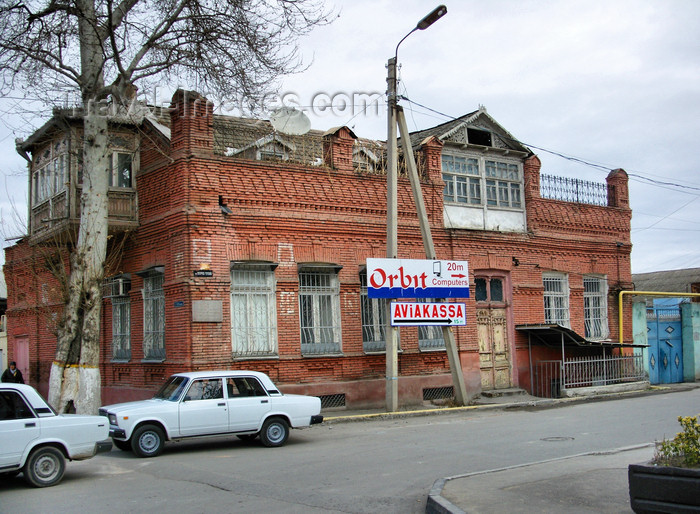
(430, 337)
(373, 319)
(319, 312)
(556, 299)
(332, 401)
(253, 310)
(121, 328)
(153, 316)
(595, 306)
(438, 393)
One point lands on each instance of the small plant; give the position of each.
(682, 451)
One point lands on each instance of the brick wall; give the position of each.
(291, 214)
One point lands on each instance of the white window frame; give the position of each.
(319, 311)
(153, 315)
(595, 307)
(51, 173)
(476, 181)
(113, 171)
(556, 299)
(253, 310)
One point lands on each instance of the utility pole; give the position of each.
(392, 244)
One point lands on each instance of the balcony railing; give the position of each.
(53, 215)
(573, 190)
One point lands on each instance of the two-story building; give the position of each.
(237, 246)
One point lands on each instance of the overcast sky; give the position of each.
(613, 83)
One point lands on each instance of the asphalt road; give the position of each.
(386, 465)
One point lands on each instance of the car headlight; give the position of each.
(112, 419)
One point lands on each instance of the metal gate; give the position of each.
(665, 346)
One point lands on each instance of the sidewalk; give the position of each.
(587, 483)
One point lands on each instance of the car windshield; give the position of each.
(172, 389)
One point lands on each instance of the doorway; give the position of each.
(492, 295)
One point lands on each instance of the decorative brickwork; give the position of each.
(291, 214)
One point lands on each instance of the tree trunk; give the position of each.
(75, 384)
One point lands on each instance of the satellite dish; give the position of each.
(290, 121)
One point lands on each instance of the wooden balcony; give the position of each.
(60, 214)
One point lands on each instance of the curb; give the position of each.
(436, 504)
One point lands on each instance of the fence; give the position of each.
(573, 190)
(550, 377)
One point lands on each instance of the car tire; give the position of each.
(122, 445)
(275, 432)
(148, 441)
(45, 467)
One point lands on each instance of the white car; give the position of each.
(37, 441)
(203, 403)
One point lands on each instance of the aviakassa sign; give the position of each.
(415, 278)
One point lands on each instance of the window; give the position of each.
(488, 289)
(13, 406)
(595, 307)
(461, 177)
(373, 318)
(253, 310)
(50, 173)
(556, 299)
(466, 178)
(244, 386)
(117, 288)
(153, 315)
(319, 311)
(208, 389)
(120, 166)
(429, 336)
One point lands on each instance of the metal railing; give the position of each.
(550, 377)
(573, 190)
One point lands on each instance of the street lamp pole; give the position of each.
(391, 333)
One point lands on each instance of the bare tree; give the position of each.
(103, 49)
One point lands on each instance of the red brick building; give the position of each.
(236, 246)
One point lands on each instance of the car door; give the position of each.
(18, 427)
(248, 402)
(203, 409)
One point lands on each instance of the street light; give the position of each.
(391, 335)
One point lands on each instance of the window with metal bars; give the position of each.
(121, 327)
(373, 318)
(153, 315)
(253, 310)
(595, 307)
(319, 311)
(556, 299)
(430, 337)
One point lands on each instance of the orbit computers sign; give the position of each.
(417, 278)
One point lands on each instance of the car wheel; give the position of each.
(122, 445)
(147, 441)
(275, 432)
(45, 467)
(247, 437)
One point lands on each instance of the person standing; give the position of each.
(12, 374)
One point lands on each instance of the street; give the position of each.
(355, 467)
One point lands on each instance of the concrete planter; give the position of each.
(663, 489)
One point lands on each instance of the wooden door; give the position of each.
(21, 357)
(493, 348)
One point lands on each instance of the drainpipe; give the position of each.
(645, 293)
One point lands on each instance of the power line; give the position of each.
(655, 182)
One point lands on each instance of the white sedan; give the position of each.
(204, 403)
(37, 441)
